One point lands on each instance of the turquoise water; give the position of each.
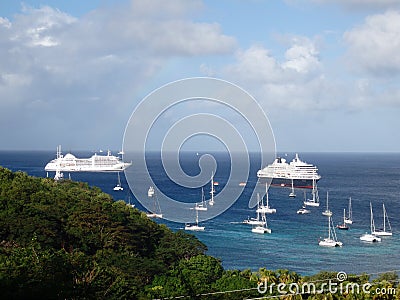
(293, 243)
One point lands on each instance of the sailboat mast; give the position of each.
(372, 219)
(384, 217)
(350, 210)
(329, 227)
(212, 189)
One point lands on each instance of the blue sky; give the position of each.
(327, 73)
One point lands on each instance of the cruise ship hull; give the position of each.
(285, 182)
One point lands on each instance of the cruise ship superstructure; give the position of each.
(96, 163)
(297, 173)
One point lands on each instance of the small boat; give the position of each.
(118, 187)
(315, 198)
(255, 221)
(195, 227)
(150, 192)
(387, 228)
(349, 218)
(201, 206)
(129, 202)
(327, 212)
(303, 210)
(343, 226)
(212, 191)
(331, 240)
(292, 193)
(266, 208)
(262, 228)
(156, 213)
(370, 237)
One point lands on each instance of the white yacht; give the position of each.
(370, 237)
(202, 205)
(315, 197)
(331, 240)
(195, 227)
(95, 163)
(265, 208)
(212, 191)
(118, 187)
(150, 192)
(156, 213)
(258, 220)
(262, 228)
(387, 228)
(298, 172)
(349, 218)
(303, 211)
(327, 212)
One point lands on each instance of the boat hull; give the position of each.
(382, 233)
(370, 238)
(194, 228)
(287, 182)
(261, 230)
(330, 243)
(311, 203)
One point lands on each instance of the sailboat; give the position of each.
(195, 227)
(255, 221)
(315, 198)
(154, 214)
(262, 228)
(370, 237)
(150, 192)
(202, 205)
(343, 226)
(349, 218)
(266, 208)
(118, 187)
(130, 202)
(292, 193)
(387, 229)
(331, 240)
(211, 202)
(327, 212)
(303, 210)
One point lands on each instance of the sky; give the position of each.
(326, 72)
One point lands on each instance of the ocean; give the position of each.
(293, 243)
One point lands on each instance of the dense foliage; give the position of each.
(68, 240)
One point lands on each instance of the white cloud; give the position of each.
(53, 65)
(302, 56)
(374, 46)
(295, 83)
(362, 4)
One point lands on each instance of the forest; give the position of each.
(68, 240)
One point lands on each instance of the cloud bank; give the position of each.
(58, 70)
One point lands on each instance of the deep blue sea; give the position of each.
(293, 243)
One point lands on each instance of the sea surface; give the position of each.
(293, 244)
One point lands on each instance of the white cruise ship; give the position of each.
(297, 172)
(96, 163)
